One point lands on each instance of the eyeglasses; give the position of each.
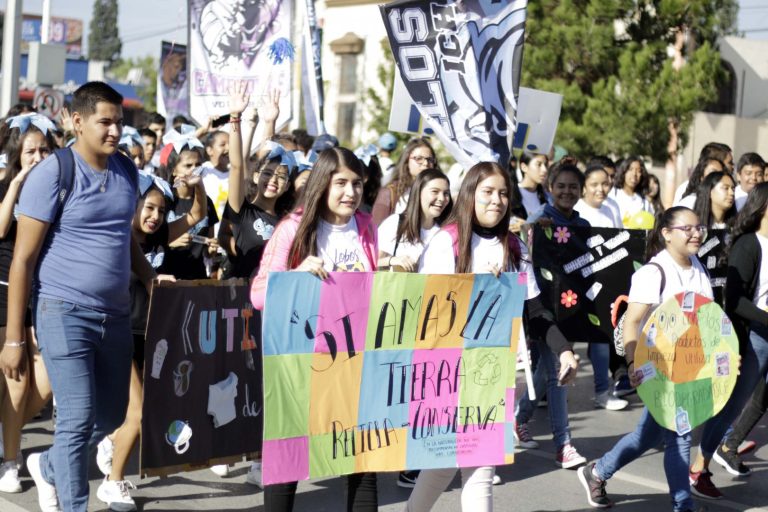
(421, 160)
(688, 230)
(269, 175)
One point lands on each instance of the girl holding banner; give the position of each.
(325, 233)
(746, 303)
(152, 230)
(567, 183)
(476, 239)
(674, 268)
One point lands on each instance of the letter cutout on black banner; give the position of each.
(202, 376)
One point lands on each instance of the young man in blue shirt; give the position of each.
(73, 261)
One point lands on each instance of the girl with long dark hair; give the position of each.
(715, 201)
(476, 239)
(673, 268)
(629, 188)
(325, 233)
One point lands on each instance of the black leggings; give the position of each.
(362, 494)
(749, 418)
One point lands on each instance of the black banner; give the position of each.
(202, 377)
(582, 271)
(460, 62)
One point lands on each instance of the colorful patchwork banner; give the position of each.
(388, 371)
(687, 359)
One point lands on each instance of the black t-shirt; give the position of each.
(252, 228)
(6, 255)
(187, 263)
(155, 249)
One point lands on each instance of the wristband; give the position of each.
(630, 363)
(15, 344)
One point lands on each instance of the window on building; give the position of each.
(726, 92)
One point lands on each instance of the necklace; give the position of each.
(103, 179)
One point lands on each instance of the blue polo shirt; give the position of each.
(86, 256)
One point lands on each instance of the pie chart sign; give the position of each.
(687, 359)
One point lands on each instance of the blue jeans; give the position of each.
(647, 435)
(545, 377)
(754, 366)
(88, 358)
(599, 354)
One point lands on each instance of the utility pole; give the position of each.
(45, 28)
(9, 88)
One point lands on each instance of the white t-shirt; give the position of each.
(603, 217)
(438, 258)
(614, 206)
(688, 201)
(646, 282)
(216, 185)
(679, 191)
(221, 400)
(387, 170)
(740, 197)
(629, 205)
(388, 233)
(531, 201)
(761, 293)
(340, 248)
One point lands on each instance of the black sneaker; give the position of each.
(731, 461)
(407, 479)
(595, 487)
(622, 387)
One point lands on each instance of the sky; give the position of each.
(144, 23)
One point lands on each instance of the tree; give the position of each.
(380, 106)
(147, 87)
(104, 38)
(621, 89)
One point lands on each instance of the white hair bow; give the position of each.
(184, 138)
(22, 122)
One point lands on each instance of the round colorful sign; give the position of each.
(687, 360)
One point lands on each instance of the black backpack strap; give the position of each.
(663, 277)
(397, 238)
(66, 177)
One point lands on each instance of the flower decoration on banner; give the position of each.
(562, 234)
(184, 137)
(364, 153)
(568, 299)
(131, 137)
(305, 162)
(23, 121)
(281, 50)
(146, 180)
(276, 151)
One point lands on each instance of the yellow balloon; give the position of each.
(640, 220)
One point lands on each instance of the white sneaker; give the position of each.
(46, 493)
(116, 494)
(9, 477)
(221, 470)
(496, 480)
(104, 453)
(254, 475)
(606, 400)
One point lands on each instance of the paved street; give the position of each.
(533, 483)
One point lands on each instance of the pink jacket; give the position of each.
(275, 257)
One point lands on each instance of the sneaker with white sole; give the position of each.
(46, 493)
(524, 438)
(607, 401)
(254, 475)
(496, 480)
(104, 453)
(569, 458)
(9, 477)
(116, 494)
(221, 470)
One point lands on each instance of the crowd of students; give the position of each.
(205, 204)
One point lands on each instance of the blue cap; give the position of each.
(323, 142)
(387, 142)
